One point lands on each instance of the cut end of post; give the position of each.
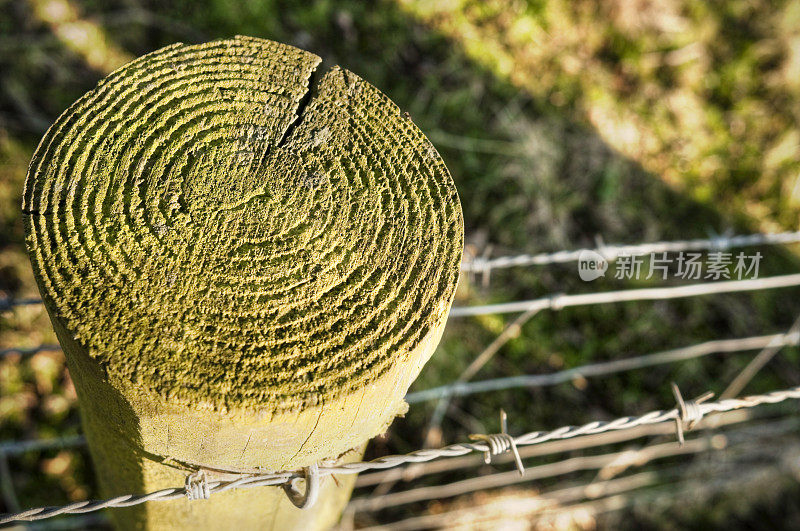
(242, 249)
(205, 242)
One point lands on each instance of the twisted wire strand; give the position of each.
(419, 456)
(611, 252)
(82, 507)
(498, 384)
(604, 368)
(11, 448)
(560, 301)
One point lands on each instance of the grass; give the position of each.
(559, 122)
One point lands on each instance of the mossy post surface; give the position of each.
(247, 265)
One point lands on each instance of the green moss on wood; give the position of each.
(246, 269)
(204, 243)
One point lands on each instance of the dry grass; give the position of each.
(559, 120)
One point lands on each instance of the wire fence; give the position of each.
(611, 252)
(608, 465)
(530, 381)
(12, 448)
(560, 301)
(728, 464)
(390, 468)
(584, 442)
(684, 417)
(605, 368)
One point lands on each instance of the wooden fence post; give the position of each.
(246, 266)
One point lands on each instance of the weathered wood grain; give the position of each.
(247, 265)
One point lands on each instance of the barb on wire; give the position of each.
(419, 456)
(689, 411)
(196, 486)
(611, 252)
(500, 443)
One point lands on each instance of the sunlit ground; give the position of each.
(560, 121)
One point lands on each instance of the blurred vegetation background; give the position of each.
(560, 120)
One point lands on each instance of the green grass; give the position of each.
(528, 134)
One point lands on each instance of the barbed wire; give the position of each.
(681, 416)
(611, 252)
(32, 445)
(584, 442)
(612, 463)
(526, 380)
(129, 500)
(577, 443)
(731, 470)
(504, 479)
(457, 389)
(697, 411)
(559, 301)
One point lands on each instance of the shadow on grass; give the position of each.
(532, 177)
